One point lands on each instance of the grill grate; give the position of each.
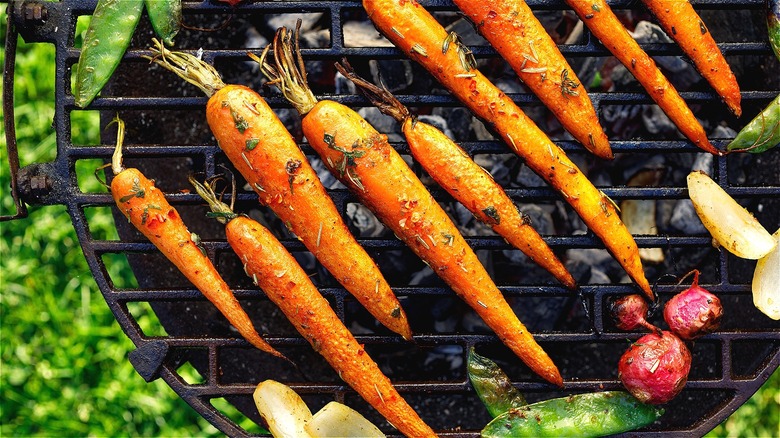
(168, 138)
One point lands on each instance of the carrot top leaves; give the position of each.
(287, 70)
(219, 210)
(188, 67)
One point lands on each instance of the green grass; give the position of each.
(64, 369)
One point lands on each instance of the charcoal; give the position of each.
(344, 85)
(685, 219)
(363, 34)
(679, 72)
(308, 20)
(458, 121)
(656, 122)
(528, 178)
(328, 180)
(393, 74)
(364, 221)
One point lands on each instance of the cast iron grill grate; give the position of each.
(206, 363)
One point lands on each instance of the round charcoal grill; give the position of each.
(191, 346)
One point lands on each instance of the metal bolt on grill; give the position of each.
(204, 360)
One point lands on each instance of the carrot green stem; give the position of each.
(219, 210)
(381, 97)
(287, 71)
(188, 67)
(116, 158)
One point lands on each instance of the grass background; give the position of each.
(63, 358)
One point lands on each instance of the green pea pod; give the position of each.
(492, 385)
(105, 42)
(583, 415)
(762, 133)
(773, 25)
(165, 16)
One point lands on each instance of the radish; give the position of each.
(693, 312)
(655, 368)
(630, 312)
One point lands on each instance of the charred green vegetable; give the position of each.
(105, 42)
(165, 16)
(492, 385)
(762, 133)
(583, 415)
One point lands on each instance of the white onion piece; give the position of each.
(338, 420)
(283, 409)
(766, 282)
(733, 227)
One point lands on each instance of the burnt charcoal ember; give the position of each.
(363, 34)
(599, 261)
(309, 21)
(658, 123)
(528, 178)
(364, 221)
(684, 217)
(459, 121)
(621, 120)
(393, 74)
(344, 85)
(679, 72)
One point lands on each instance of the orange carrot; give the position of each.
(264, 152)
(278, 274)
(364, 161)
(146, 208)
(464, 179)
(412, 29)
(516, 34)
(602, 22)
(681, 22)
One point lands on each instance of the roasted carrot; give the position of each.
(278, 274)
(681, 22)
(146, 208)
(516, 34)
(412, 29)
(264, 152)
(463, 179)
(602, 22)
(364, 161)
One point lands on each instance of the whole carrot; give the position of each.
(278, 274)
(464, 179)
(364, 161)
(412, 29)
(516, 34)
(602, 22)
(146, 208)
(264, 152)
(681, 22)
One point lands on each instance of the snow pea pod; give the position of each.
(762, 133)
(165, 16)
(773, 25)
(105, 42)
(583, 415)
(492, 385)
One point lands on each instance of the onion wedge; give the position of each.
(283, 409)
(733, 227)
(766, 282)
(338, 420)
